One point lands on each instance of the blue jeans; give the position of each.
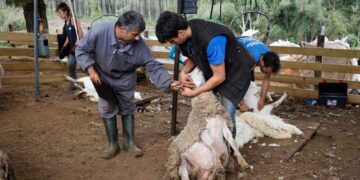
(231, 109)
(72, 69)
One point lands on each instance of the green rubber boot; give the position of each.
(112, 134)
(128, 134)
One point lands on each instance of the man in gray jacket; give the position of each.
(111, 52)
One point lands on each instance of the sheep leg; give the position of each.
(228, 136)
(183, 169)
(279, 101)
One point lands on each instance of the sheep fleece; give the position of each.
(204, 107)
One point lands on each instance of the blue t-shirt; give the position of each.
(216, 49)
(255, 47)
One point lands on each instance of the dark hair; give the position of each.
(168, 25)
(63, 7)
(131, 20)
(271, 59)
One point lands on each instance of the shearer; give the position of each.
(111, 52)
(268, 61)
(213, 48)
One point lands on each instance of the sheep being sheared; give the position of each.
(6, 172)
(254, 124)
(200, 150)
(252, 97)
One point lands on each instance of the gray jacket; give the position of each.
(117, 66)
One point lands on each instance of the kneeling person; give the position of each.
(268, 61)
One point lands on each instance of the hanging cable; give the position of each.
(212, 7)
(220, 10)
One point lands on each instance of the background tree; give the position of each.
(28, 9)
(294, 20)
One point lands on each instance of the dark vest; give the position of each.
(70, 32)
(238, 61)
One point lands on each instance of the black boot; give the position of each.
(112, 134)
(128, 134)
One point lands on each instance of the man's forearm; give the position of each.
(209, 85)
(265, 87)
(189, 66)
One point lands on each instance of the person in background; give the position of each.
(111, 52)
(214, 49)
(268, 61)
(69, 32)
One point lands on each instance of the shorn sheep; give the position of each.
(6, 172)
(87, 88)
(200, 150)
(254, 124)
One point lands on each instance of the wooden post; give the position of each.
(320, 43)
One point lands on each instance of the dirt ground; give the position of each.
(62, 137)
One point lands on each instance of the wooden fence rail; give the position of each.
(315, 51)
(24, 52)
(24, 37)
(52, 65)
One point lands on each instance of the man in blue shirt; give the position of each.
(268, 62)
(212, 48)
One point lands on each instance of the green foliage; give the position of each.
(353, 40)
(336, 25)
(17, 3)
(295, 20)
(14, 16)
(276, 32)
(4, 44)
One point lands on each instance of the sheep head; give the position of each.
(198, 77)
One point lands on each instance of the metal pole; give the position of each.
(36, 52)
(175, 93)
(320, 43)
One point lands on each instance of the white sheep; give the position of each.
(89, 90)
(200, 148)
(6, 172)
(88, 87)
(254, 124)
(252, 97)
(2, 71)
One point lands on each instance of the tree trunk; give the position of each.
(2, 4)
(158, 8)
(28, 9)
(149, 10)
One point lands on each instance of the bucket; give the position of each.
(43, 46)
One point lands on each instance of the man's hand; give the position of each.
(260, 104)
(187, 92)
(94, 76)
(175, 86)
(186, 81)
